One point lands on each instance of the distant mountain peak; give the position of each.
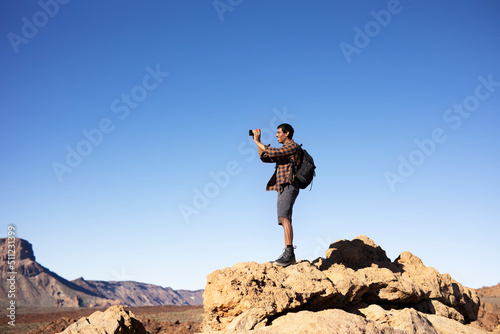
(37, 286)
(23, 249)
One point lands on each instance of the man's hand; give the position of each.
(256, 136)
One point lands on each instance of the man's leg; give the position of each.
(288, 229)
(286, 199)
(288, 256)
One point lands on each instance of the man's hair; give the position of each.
(286, 128)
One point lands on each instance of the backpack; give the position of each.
(305, 172)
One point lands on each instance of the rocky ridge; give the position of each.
(489, 292)
(356, 288)
(132, 293)
(37, 286)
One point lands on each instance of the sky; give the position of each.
(124, 132)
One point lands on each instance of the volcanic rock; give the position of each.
(114, 320)
(356, 277)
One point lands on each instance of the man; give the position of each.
(287, 158)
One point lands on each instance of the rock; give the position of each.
(414, 322)
(327, 321)
(441, 288)
(353, 275)
(407, 319)
(377, 321)
(489, 311)
(448, 326)
(114, 320)
(358, 253)
(249, 293)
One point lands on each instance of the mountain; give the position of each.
(193, 297)
(36, 286)
(140, 294)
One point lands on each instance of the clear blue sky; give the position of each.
(124, 132)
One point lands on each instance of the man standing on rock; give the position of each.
(283, 182)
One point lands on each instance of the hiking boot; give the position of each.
(287, 258)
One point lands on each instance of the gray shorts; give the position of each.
(286, 199)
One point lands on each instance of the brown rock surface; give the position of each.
(157, 327)
(489, 292)
(375, 320)
(156, 319)
(354, 275)
(489, 317)
(248, 293)
(326, 321)
(489, 311)
(114, 320)
(55, 326)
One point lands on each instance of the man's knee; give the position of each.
(284, 221)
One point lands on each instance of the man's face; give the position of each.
(281, 136)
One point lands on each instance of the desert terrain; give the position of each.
(156, 319)
(51, 303)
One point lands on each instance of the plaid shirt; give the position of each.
(283, 157)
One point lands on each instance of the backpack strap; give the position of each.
(294, 166)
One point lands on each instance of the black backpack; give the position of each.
(305, 172)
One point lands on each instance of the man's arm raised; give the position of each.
(256, 138)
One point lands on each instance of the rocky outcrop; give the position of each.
(37, 286)
(114, 320)
(406, 321)
(356, 281)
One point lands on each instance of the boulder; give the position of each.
(353, 276)
(377, 321)
(328, 321)
(114, 320)
(247, 294)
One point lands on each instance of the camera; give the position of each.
(250, 132)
